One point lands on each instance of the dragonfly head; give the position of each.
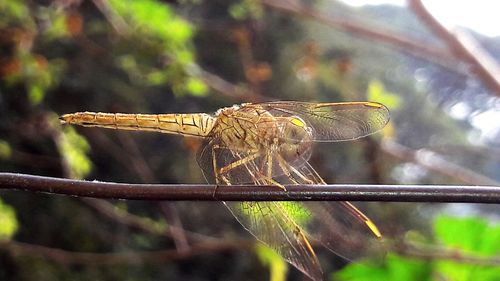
(296, 138)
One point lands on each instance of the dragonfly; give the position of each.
(270, 143)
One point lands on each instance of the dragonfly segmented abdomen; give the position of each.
(196, 124)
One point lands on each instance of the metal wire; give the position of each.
(202, 192)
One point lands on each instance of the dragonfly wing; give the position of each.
(276, 225)
(336, 227)
(334, 121)
(339, 225)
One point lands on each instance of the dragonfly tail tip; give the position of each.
(63, 119)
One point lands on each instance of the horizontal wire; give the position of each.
(204, 192)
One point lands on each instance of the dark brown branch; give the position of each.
(463, 47)
(337, 192)
(106, 259)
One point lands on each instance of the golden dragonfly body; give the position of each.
(270, 144)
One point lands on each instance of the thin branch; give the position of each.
(145, 224)
(230, 90)
(410, 46)
(433, 252)
(198, 192)
(106, 259)
(463, 47)
(434, 162)
(116, 21)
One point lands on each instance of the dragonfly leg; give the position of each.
(219, 172)
(236, 164)
(214, 165)
(259, 177)
(288, 169)
(269, 161)
(218, 176)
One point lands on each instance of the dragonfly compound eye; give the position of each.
(296, 138)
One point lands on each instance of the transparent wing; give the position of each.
(276, 224)
(339, 225)
(333, 121)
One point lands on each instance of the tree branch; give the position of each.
(435, 162)
(410, 46)
(106, 259)
(198, 192)
(463, 47)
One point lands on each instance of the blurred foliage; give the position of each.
(164, 34)
(476, 235)
(394, 268)
(147, 56)
(277, 265)
(471, 235)
(74, 149)
(246, 9)
(377, 92)
(8, 221)
(5, 150)
(147, 30)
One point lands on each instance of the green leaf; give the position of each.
(196, 87)
(395, 268)
(57, 25)
(246, 9)
(5, 150)
(471, 234)
(167, 37)
(156, 19)
(277, 265)
(74, 148)
(35, 93)
(15, 12)
(376, 92)
(8, 221)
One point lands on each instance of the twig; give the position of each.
(228, 89)
(116, 21)
(434, 252)
(434, 162)
(337, 192)
(406, 45)
(464, 47)
(100, 259)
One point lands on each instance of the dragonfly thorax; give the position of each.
(260, 131)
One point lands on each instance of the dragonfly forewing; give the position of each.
(333, 122)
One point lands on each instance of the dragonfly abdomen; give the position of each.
(197, 124)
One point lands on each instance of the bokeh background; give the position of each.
(441, 85)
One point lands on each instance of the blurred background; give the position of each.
(434, 66)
